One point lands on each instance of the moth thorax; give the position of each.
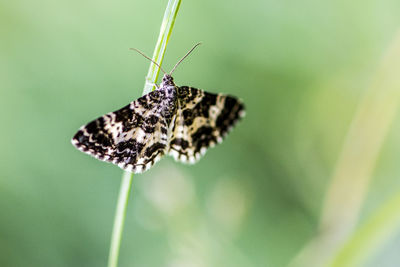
(170, 90)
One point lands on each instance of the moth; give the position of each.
(180, 121)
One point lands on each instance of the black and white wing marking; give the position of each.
(133, 137)
(203, 119)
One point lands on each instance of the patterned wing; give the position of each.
(203, 119)
(134, 137)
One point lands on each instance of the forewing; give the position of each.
(203, 119)
(133, 137)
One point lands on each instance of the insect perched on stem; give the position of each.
(180, 121)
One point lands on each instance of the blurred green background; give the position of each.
(320, 139)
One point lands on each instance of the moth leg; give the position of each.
(153, 84)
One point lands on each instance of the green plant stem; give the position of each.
(158, 55)
(119, 219)
(349, 185)
(165, 32)
(369, 239)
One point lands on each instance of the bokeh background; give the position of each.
(309, 178)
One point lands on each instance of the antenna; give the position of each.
(143, 54)
(188, 53)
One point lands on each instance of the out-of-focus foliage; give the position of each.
(302, 69)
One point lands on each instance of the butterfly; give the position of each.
(180, 121)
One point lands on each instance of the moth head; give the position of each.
(167, 79)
